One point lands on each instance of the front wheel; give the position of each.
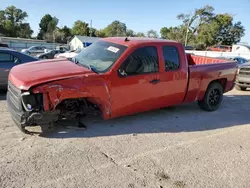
(213, 97)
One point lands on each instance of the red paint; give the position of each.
(119, 96)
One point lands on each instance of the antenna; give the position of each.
(126, 39)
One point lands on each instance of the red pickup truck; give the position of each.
(115, 77)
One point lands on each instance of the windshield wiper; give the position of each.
(90, 67)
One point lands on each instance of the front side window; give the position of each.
(100, 56)
(142, 60)
(5, 57)
(8, 58)
(171, 58)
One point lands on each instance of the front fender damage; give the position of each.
(68, 99)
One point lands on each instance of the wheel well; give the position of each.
(222, 81)
(81, 106)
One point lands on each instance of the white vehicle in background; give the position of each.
(34, 50)
(68, 54)
(241, 48)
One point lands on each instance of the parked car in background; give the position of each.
(68, 54)
(8, 59)
(240, 60)
(243, 77)
(115, 77)
(220, 48)
(63, 48)
(34, 50)
(189, 48)
(4, 45)
(50, 54)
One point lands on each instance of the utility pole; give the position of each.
(90, 28)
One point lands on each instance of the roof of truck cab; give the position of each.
(136, 40)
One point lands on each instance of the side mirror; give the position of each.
(122, 73)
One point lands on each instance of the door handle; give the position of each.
(154, 81)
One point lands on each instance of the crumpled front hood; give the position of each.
(29, 74)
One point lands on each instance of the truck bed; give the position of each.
(202, 60)
(203, 69)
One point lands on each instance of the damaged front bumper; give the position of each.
(26, 111)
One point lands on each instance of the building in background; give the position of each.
(79, 42)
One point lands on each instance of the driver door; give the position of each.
(133, 87)
(7, 61)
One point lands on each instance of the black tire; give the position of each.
(213, 97)
(240, 88)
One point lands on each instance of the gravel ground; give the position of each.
(178, 147)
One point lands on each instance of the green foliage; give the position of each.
(100, 33)
(205, 28)
(116, 28)
(173, 33)
(48, 28)
(63, 35)
(12, 23)
(130, 33)
(140, 34)
(80, 28)
(152, 34)
(201, 29)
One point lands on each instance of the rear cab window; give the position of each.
(171, 58)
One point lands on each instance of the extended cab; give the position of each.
(116, 76)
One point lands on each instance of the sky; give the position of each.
(139, 15)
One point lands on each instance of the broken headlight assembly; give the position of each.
(32, 102)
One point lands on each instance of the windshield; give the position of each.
(100, 56)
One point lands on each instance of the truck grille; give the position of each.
(244, 71)
(14, 95)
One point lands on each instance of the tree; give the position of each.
(80, 28)
(140, 34)
(193, 22)
(116, 28)
(174, 33)
(100, 33)
(130, 33)
(221, 30)
(12, 23)
(48, 28)
(205, 28)
(152, 34)
(228, 33)
(63, 34)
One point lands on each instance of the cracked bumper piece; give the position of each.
(17, 114)
(23, 118)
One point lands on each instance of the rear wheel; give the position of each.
(241, 88)
(213, 97)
